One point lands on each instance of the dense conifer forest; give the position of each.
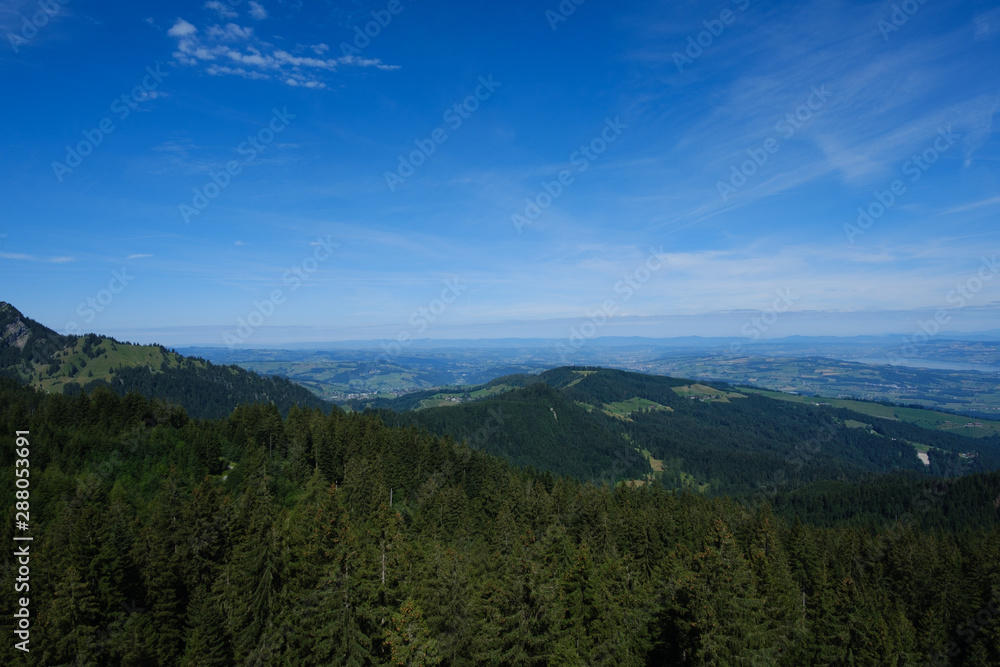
(560, 421)
(335, 539)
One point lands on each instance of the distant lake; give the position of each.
(935, 364)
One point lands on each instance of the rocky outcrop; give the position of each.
(13, 331)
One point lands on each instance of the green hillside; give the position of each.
(925, 418)
(611, 426)
(40, 357)
(329, 539)
(536, 426)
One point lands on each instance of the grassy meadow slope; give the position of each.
(42, 358)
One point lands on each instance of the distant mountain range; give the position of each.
(706, 342)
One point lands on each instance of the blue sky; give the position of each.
(690, 162)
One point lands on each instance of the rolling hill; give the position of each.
(591, 423)
(610, 425)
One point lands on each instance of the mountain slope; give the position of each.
(332, 539)
(536, 426)
(42, 358)
(610, 425)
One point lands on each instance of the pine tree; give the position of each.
(256, 571)
(70, 625)
(207, 518)
(783, 610)
(523, 614)
(156, 551)
(408, 639)
(206, 644)
(720, 613)
(444, 590)
(346, 618)
(622, 610)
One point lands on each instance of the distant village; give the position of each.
(949, 424)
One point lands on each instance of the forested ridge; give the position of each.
(37, 355)
(335, 539)
(561, 421)
(212, 391)
(536, 426)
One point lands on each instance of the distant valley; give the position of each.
(828, 367)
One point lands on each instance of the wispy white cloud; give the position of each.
(181, 155)
(181, 28)
(138, 256)
(886, 104)
(230, 33)
(821, 277)
(257, 11)
(235, 50)
(991, 201)
(221, 70)
(987, 24)
(34, 258)
(221, 9)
